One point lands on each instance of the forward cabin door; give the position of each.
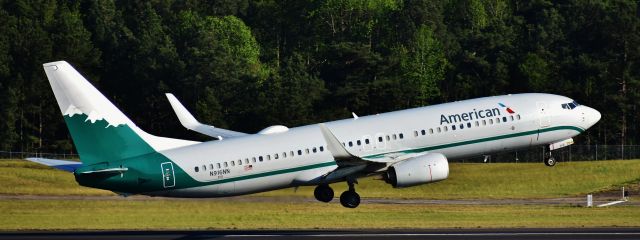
(543, 115)
(543, 118)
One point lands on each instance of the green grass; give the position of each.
(466, 181)
(198, 214)
(503, 180)
(21, 177)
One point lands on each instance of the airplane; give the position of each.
(405, 148)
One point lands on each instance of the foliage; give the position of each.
(250, 64)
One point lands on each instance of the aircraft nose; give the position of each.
(592, 116)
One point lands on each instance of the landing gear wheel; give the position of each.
(550, 161)
(323, 193)
(350, 199)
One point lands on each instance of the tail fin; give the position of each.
(100, 131)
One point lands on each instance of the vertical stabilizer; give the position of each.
(100, 131)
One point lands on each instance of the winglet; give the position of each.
(188, 121)
(333, 144)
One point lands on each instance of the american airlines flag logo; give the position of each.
(248, 167)
(509, 110)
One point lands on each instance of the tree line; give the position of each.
(246, 65)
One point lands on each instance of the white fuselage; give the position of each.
(299, 156)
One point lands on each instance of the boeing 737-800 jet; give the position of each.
(407, 148)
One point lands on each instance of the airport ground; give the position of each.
(477, 196)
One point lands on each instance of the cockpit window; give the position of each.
(570, 105)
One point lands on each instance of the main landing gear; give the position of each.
(549, 160)
(348, 199)
(323, 193)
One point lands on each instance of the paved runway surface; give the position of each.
(576, 201)
(528, 234)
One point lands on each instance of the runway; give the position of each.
(574, 201)
(484, 234)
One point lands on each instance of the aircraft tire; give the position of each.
(550, 162)
(323, 193)
(350, 199)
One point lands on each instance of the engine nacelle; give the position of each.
(428, 168)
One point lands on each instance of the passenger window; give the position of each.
(401, 136)
(512, 118)
(218, 165)
(204, 167)
(211, 166)
(307, 151)
(469, 124)
(260, 158)
(484, 122)
(268, 157)
(366, 141)
(423, 132)
(358, 142)
(504, 119)
(284, 155)
(233, 163)
(226, 164)
(453, 127)
(246, 161)
(446, 128)
(253, 159)
(518, 116)
(491, 121)
(275, 156)
(239, 161)
(321, 149)
(394, 137)
(292, 154)
(430, 130)
(380, 139)
(415, 133)
(196, 169)
(439, 130)
(314, 150)
(497, 120)
(388, 138)
(299, 152)
(350, 144)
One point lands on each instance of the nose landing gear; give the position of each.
(549, 160)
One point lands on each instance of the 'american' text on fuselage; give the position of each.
(468, 116)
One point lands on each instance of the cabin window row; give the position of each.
(461, 126)
(367, 141)
(267, 157)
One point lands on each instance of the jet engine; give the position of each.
(427, 168)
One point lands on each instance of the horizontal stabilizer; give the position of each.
(108, 170)
(64, 165)
(188, 121)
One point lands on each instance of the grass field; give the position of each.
(466, 181)
(195, 214)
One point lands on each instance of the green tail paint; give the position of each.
(98, 142)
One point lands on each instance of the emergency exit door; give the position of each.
(168, 175)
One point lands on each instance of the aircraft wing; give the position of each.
(188, 121)
(68, 166)
(344, 157)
